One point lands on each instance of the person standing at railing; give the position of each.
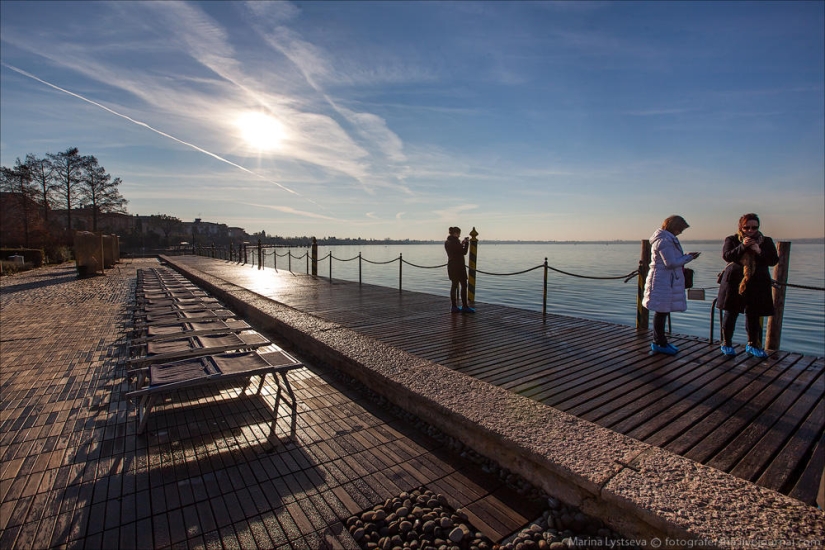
(745, 284)
(456, 270)
(665, 283)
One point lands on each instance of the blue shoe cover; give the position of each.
(728, 350)
(756, 352)
(467, 309)
(667, 350)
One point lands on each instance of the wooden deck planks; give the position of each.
(760, 420)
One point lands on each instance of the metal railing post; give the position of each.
(330, 266)
(359, 268)
(260, 255)
(400, 265)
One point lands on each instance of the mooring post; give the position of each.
(642, 314)
(544, 299)
(314, 257)
(780, 275)
(471, 275)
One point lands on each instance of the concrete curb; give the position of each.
(644, 492)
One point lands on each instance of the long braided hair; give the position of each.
(748, 259)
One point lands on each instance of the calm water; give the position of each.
(803, 328)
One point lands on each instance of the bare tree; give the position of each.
(68, 172)
(17, 182)
(42, 173)
(166, 223)
(99, 191)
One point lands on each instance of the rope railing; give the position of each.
(244, 256)
(223, 253)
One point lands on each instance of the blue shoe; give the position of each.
(467, 309)
(728, 350)
(667, 350)
(455, 309)
(756, 352)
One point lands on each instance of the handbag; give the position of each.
(688, 272)
(721, 274)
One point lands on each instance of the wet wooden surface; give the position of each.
(761, 420)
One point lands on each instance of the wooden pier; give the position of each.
(760, 420)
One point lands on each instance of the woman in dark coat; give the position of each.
(456, 270)
(746, 284)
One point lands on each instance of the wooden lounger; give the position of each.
(166, 378)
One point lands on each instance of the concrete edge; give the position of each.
(641, 491)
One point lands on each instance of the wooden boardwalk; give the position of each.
(760, 420)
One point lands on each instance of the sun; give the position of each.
(260, 131)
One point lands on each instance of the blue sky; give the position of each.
(527, 120)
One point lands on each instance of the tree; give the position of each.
(17, 182)
(42, 173)
(99, 191)
(68, 172)
(167, 224)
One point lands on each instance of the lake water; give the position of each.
(803, 328)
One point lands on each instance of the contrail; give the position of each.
(164, 134)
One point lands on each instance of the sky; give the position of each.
(526, 120)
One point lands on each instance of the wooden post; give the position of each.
(471, 276)
(780, 275)
(642, 314)
(544, 298)
(314, 257)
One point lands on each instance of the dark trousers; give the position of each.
(752, 326)
(659, 335)
(455, 294)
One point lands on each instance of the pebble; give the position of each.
(435, 526)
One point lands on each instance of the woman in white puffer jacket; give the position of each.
(665, 284)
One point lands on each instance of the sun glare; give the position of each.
(260, 131)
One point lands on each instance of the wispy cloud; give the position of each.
(150, 128)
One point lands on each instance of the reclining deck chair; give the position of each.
(177, 316)
(166, 378)
(156, 333)
(193, 346)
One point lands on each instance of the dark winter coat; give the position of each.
(455, 258)
(758, 297)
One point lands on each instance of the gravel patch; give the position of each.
(421, 519)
